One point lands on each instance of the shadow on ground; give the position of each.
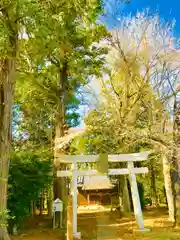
(105, 226)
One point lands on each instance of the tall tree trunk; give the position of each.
(167, 176)
(41, 203)
(120, 193)
(6, 95)
(153, 186)
(7, 77)
(60, 189)
(176, 160)
(34, 208)
(168, 186)
(152, 120)
(50, 202)
(124, 200)
(50, 193)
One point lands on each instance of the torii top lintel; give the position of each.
(130, 157)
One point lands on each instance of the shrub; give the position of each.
(28, 175)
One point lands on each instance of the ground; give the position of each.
(104, 225)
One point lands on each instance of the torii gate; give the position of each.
(130, 170)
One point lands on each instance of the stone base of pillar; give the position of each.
(142, 230)
(77, 237)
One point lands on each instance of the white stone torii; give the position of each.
(130, 170)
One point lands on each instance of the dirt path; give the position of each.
(105, 226)
(48, 234)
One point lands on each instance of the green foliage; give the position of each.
(63, 32)
(29, 174)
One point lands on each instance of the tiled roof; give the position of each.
(96, 183)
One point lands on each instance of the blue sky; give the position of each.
(168, 10)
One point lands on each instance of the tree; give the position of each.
(14, 17)
(155, 53)
(67, 56)
(110, 128)
(133, 94)
(9, 43)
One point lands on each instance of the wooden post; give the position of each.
(54, 220)
(135, 196)
(88, 198)
(69, 219)
(74, 194)
(70, 235)
(74, 197)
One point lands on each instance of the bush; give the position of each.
(28, 175)
(141, 195)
